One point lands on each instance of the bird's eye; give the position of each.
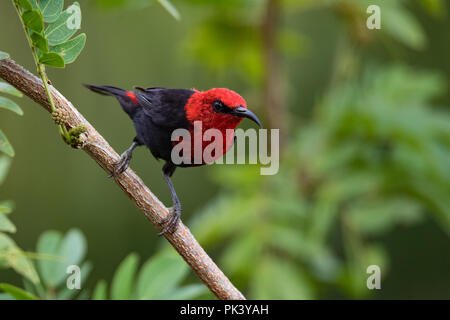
(218, 106)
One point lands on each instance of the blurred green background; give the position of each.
(364, 176)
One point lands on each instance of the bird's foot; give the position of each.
(172, 220)
(122, 164)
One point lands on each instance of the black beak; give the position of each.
(245, 113)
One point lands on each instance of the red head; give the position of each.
(218, 108)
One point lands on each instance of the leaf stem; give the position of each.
(41, 71)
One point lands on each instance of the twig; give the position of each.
(98, 149)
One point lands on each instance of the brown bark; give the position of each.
(98, 149)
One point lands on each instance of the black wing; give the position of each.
(165, 107)
(161, 111)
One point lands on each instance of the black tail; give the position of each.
(128, 102)
(106, 90)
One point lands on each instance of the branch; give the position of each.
(98, 149)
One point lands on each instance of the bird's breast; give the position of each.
(207, 145)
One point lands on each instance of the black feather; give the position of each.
(158, 113)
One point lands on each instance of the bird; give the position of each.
(157, 112)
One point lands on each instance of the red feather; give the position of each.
(198, 108)
(132, 96)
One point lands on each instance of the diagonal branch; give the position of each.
(98, 149)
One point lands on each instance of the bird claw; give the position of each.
(172, 220)
(121, 165)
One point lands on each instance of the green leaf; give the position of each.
(71, 49)
(86, 269)
(73, 248)
(17, 293)
(5, 296)
(66, 294)
(160, 275)
(5, 146)
(21, 264)
(6, 242)
(280, 280)
(34, 4)
(240, 251)
(33, 20)
(39, 42)
(31, 287)
(48, 244)
(170, 8)
(52, 59)
(5, 163)
(6, 225)
(100, 291)
(59, 31)
(7, 203)
(122, 283)
(8, 104)
(51, 9)
(9, 89)
(3, 55)
(375, 217)
(69, 250)
(16, 258)
(403, 26)
(25, 4)
(5, 209)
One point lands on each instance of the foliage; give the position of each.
(374, 157)
(226, 31)
(11, 256)
(13, 292)
(55, 253)
(58, 252)
(159, 278)
(50, 29)
(166, 4)
(236, 27)
(5, 103)
(50, 46)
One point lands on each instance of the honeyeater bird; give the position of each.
(157, 112)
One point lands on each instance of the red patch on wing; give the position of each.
(132, 96)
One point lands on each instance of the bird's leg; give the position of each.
(175, 212)
(125, 158)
